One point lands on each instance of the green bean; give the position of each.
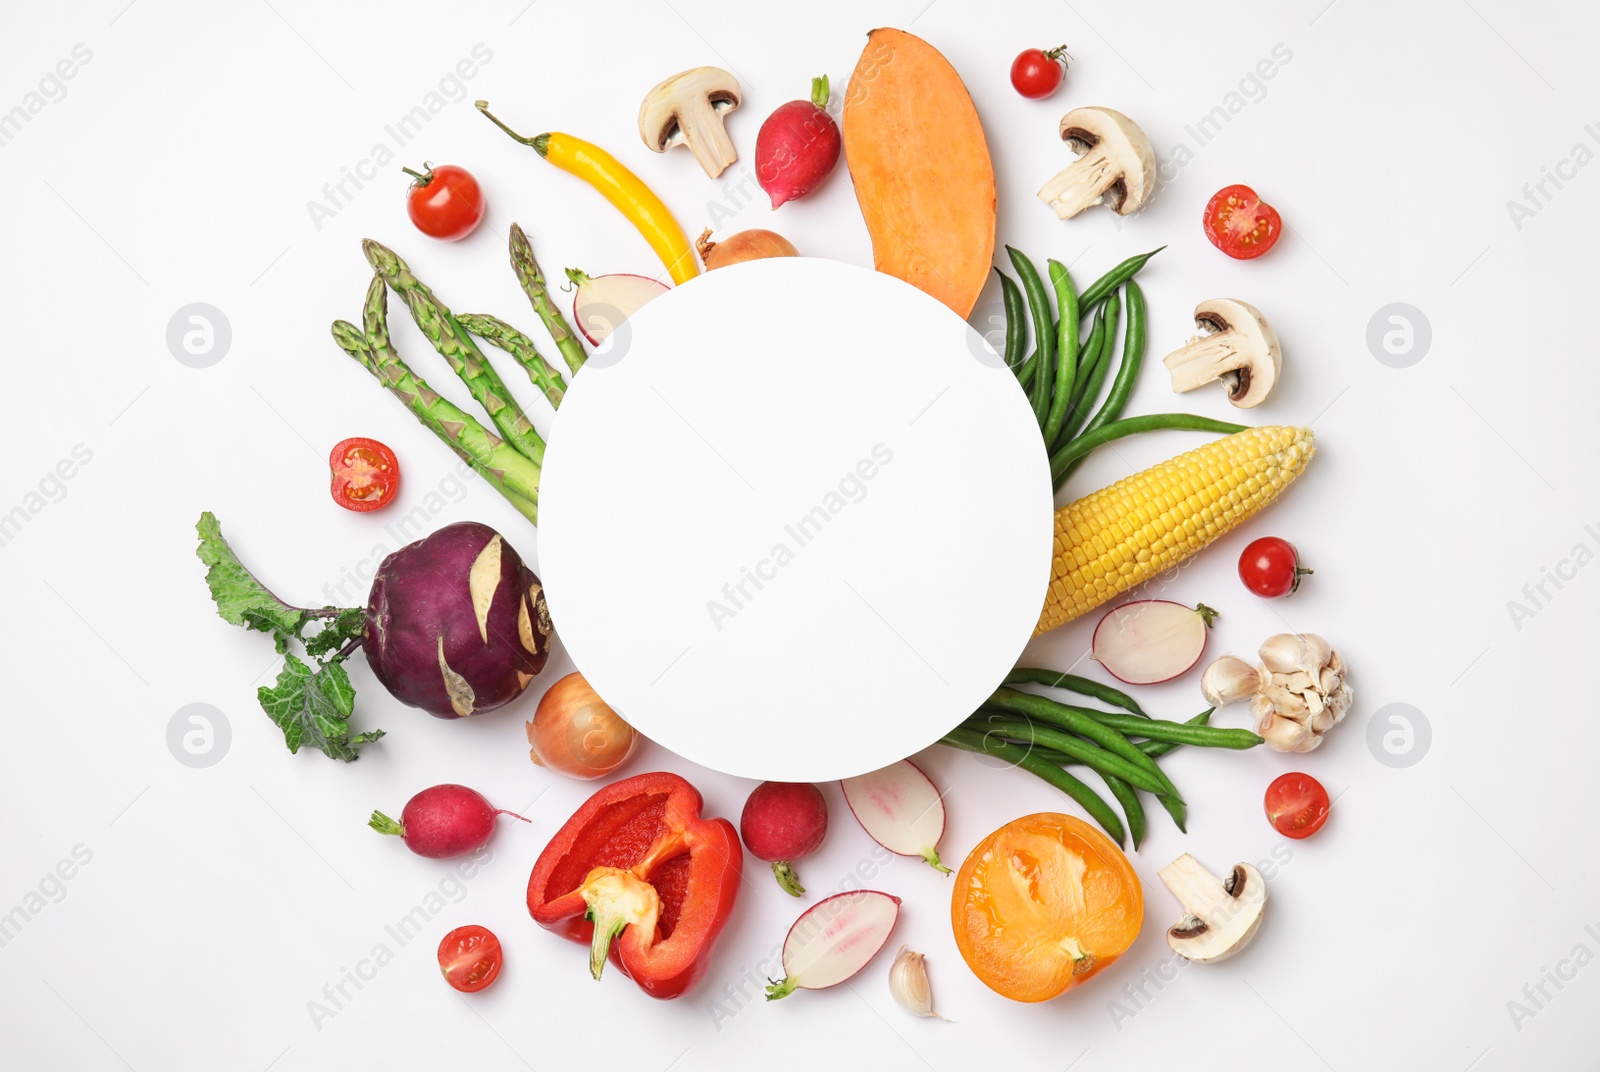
(1122, 385)
(1018, 756)
(1091, 753)
(1106, 324)
(1044, 338)
(1084, 444)
(1157, 749)
(1027, 675)
(1016, 322)
(1114, 279)
(1179, 812)
(1111, 740)
(1156, 729)
(1128, 797)
(1066, 350)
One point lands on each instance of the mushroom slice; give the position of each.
(1220, 917)
(687, 109)
(1238, 347)
(1115, 166)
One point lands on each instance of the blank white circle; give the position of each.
(799, 529)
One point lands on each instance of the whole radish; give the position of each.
(783, 822)
(444, 820)
(797, 146)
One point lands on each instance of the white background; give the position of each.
(218, 902)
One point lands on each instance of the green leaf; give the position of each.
(313, 707)
(337, 632)
(240, 598)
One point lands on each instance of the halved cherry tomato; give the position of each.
(445, 201)
(1241, 224)
(1297, 805)
(470, 958)
(366, 474)
(1270, 567)
(1043, 904)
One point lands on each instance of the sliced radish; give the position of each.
(1151, 640)
(604, 301)
(900, 808)
(834, 939)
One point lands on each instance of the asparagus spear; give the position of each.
(507, 471)
(457, 347)
(494, 330)
(532, 280)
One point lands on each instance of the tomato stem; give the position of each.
(1056, 53)
(423, 177)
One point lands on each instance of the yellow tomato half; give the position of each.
(1043, 904)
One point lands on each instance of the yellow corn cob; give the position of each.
(1145, 524)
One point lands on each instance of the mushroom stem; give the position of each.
(1205, 358)
(1081, 183)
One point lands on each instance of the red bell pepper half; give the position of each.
(637, 875)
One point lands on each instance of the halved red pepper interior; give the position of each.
(624, 835)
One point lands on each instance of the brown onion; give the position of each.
(750, 245)
(574, 732)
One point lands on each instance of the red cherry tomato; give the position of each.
(445, 202)
(1036, 73)
(1297, 805)
(1241, 224)
(470, 958)
(1270, 567)
(366, 474)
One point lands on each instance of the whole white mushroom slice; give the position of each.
(834, 939)
(1236, 346)
(1220, 916)
(900, 808)
(1116, 165)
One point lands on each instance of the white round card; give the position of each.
(795, 520)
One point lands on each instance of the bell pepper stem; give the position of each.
(616, 899)
(606, 928)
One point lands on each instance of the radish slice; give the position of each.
(834, 939)
(900, 808)
(604, 301)
(1151, 640)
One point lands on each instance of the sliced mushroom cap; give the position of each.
(687, 109)
(1238, 347)
(1220, 917)
(1116, 165)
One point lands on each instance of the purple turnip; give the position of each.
(456, 624)
(783, 822)
(798, 146)
(443, 820)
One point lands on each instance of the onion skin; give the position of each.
(752, 245)
(576, 733)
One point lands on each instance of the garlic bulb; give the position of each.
(1297, 694)
(908, 982)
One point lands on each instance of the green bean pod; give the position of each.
(1128, 797)
(1111, 740)
(1089, 752)
(1066, 350)
(1043, 335)
(1018, 756)
(1084, 444)
(1113, 279)
(1155, 729)
(1027, 675)
(1105, 323)
(1016, 322)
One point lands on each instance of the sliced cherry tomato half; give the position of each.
(1270, 567)
(470, 958)
(1241, 224)
(1297, 805)
(366, 474)
(445, 201)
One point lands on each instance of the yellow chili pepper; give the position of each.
(621, 187)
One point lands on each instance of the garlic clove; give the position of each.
(1329, 680)
(1283, 653)
(1299, 681)
(1287, 735)
(1230, 678)
(1285, 703)
(1318, 651)
(908, 982)
(1313, 702)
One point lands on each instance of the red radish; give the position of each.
(834, 939)
(900, 809)
(798, 146)
(1151, 640)
(783, 822)
(444, 820)
(602, 302)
